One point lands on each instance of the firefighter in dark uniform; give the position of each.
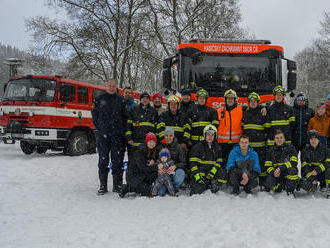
(281, 117)
(175, 119)
(315, 164)
(142, 120)
(200, 116)
(109, 118)
(281, 164)
(254, 126)
(206, 164)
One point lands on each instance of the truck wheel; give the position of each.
(41, 149)
(77, 144)
(27, 147)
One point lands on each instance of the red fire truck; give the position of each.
(219, 65)
(49, 112)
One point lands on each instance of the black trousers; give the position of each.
(284, 181)
(106, 145)
(235, 178)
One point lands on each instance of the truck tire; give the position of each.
(41, 150)
(78, 144)
(27, 147)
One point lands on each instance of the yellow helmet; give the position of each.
(210, 128)
(278, 89)
(173, 98)
(202, 92)
(254, 96)
(231, 93)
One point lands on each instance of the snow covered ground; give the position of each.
(50, 201)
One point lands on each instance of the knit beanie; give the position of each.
(169, 131)
(157, 95)
(150, 136)
(164, 153)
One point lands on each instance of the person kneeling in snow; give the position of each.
(206, 166)
(243, 166)
(164, 174)
(281, 163)
(315, 164)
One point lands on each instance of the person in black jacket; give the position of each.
(143, 171)
(280, 117)
(254, 126)
(315, 164)
(281, 163)
(175, 119)
(206, 164)
(178, 155)
(200, 116)
(142, 120)
(109, 117)
(302, 115)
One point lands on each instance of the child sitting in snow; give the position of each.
(165, 178)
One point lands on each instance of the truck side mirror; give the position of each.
(291, 65)
(292, 79)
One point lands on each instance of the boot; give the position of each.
(102, 190)
(124, 190)
(235, 190)
(117, 183)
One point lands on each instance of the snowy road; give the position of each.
(50, 201)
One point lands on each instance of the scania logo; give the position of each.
(17, 111)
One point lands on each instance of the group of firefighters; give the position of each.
(210, 149)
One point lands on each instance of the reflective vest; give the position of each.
(230, 129)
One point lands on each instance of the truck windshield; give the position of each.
(219, 73)
(41, 90)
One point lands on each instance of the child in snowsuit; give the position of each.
(164, 179)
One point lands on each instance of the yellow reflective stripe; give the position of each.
(215, 122)
(294, 158)
(208, 162)
(309, 174)
(197, 176)
(288, 142)
(187, 135)
(221, 180)
(327, 160)
(268, 163)
(129, 121)
(292, 177)
(194, 168)
(136, 144)
(270, 169)
(267, 125)
(279, 123)
(257, 144)
(200, 123)
(220, 160)
(214, 170)
(144, 124)
(263, 174)
(327, 181)
(253, 126)
(304, 164)
(187, 126)
(292, 118)
(177, 129)
(196, 137)
(128, 133)
(276, 186)
(161, 134)
(194, 159)
(288, 165)
(161, 124)
(270, 142)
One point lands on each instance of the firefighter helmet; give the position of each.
(231, 93)
(202, 92)
(210, 129)
(278, 89)
(173, 98)
(254, 96)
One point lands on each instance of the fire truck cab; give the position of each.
(219, 65)
(49, 112)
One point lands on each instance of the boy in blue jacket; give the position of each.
(243, 166)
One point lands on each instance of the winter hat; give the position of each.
(301, 96)
(157, 95)
(150, 136)
(185, 92)
(164, 153)
(313, 134)
(169, 131)
(144, 94)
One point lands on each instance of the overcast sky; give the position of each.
(292, 24)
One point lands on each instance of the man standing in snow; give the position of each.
(243, 166)
(109, 118)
